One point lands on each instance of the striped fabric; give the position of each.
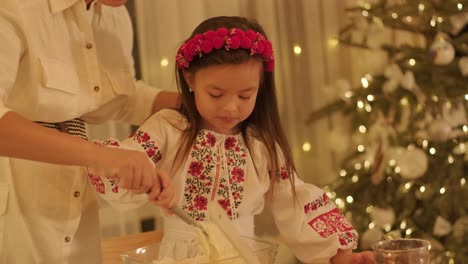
(75, 127)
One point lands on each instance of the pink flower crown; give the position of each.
(231, 39)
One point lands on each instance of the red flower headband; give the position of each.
(231, 39)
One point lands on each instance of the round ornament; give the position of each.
(441, 50)
(413, 162)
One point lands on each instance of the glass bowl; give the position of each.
(404, 250)
(189, 250)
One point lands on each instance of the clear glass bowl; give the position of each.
(404, 250)
(188, 250)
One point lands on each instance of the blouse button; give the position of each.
(76, 194)
(67, 239)
(96, 88)
(89, 45)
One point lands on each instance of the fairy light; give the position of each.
(450, 159)
(425, 143)
(462, 181)
(433, 21)
(365, 13)
(465, 128)
(442, 190)
(460, 6)
(164, 62)
(355, 178)
(432, 151)
(364, 82)
(361, 148)
(409, 19)
(435, 98)
(370, 98)
(422, 189)
(466, 97)
(367, 164)
(362, 129)
(371, 225)
(349, 199)
(421, 7)
(408, 231)
(331, 195)
(297, 49)
(306, 146)
(388, 228)
(368, 108)
(357, 166)
(440, 19)
(360, 104)
(404, 101)
(343, 173)
(333, 42)
(369, 209)
(451, 261)
(348, 94)
(389, 179)
(392, 162)
(412, 62)
(462, 147)
(394, 15)
(403, 224)
(397, 169)
(408, 185)
(339, 202)
(368, 77)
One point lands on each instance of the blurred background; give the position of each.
(373, 97)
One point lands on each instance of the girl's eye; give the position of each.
(215, 95)
(244, 97)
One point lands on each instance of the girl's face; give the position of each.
(225, 95)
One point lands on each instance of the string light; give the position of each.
(362, 129)
(409, 19)
(432, 151)
(343, 173)
(365, 13)
(369, 209)
(388, 228)
(349, 199)
(364, 82)
(339, 202)
(412, 62)
(421, 7)
(440, 19)
(331, 195)
(403, 224)
(368, 108)
(450, 159)
(333, 42)
(371, 225)
(465, 128)
(433, 21)
(360, 104)
(404, 101)
(370, 98)
(368, 77)
(355, 178)
(442, 190)
(394, 15)
(389, 179)
(348, 94)
(297, 49)
(466, 97)
(306, 146)
(367, 164)
(392, 162)
(407, 185)
(435, 98)
(425, 143)
(409, 231)
(460, 6)
(357, 166)
(462, 181)
(164, 62)
(422, 189)
(361, 148)
(397, 169)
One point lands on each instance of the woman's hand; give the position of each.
(131, 169)
(349, 257)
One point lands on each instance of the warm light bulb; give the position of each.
(409, 231)
(422, 189)
(466, 97)
(404, 101)
(348, 94)
(412, 62)
(360, 104)
(440, 19)
(355, 178)
(421, 7)
(349, 199)
(306, 146)
(364, 82)
(164, 62)
(394, 15)
(392, 162)
(339, 202)
(357, 166)
(371, 225)
(450, 159)
(333, 42)
(462, 181)
(397, 169)
(442, 190)
(368, 108)
(403, 224)
(460, 6)
(369, 209)
(465, 128)
(407, 186)
(361, 148)
(409, 19)
(362, 129)
(425, 143)
(365, 13)
(297, 49)
(435, 98)
(342, 173)
(370, 98)
(433, 21)
(432, 150)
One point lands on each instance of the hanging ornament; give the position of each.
(396, 78)
(441, 50)
(463, 64)
(442, 227)
(382, 217)
(458, 22)
(460, 228)
(413, 162)
(439, 130)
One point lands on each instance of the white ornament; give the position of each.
(382, 217)
(458, 22)
(460, 149)
(442, 227)
(441, 50)
(370, 237)
(439, 130)
(463, 64)
(413, 162)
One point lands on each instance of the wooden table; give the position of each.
(112, 247)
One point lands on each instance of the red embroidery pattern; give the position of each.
(347, 238)
(330, 223)
(321, 201)
(143, 138)
(96, 182)
(202, 173)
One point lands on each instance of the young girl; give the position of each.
(226, 145)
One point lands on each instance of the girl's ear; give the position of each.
(188, 78)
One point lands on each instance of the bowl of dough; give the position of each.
(202, 249)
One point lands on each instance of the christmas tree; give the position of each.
(406, 172)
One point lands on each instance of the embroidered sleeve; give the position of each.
(145, 140)
(311, 225)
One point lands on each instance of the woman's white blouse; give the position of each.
(221, 169)
(56, 65)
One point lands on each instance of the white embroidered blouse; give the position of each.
(221, 169)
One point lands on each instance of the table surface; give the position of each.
(112, 247)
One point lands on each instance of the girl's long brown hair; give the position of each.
(264, 119)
